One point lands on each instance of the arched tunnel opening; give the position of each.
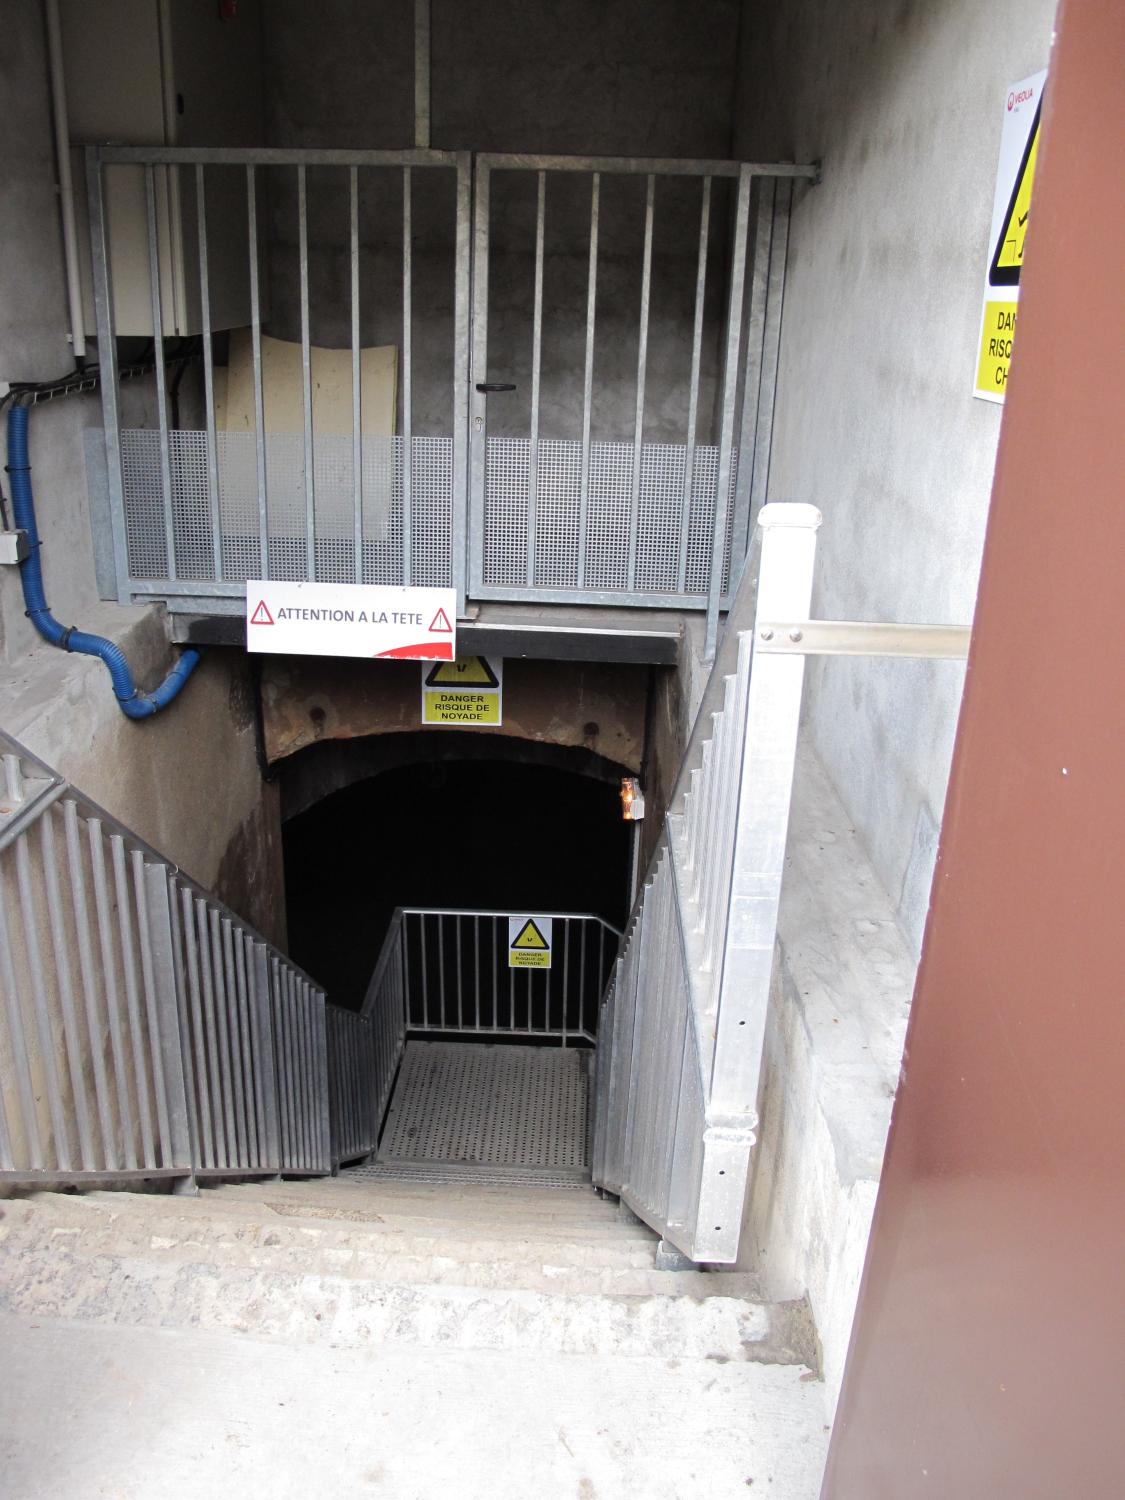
(473, 891)
(488, 834)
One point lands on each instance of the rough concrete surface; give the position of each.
(875, 421)
(399, 1339)
(167, 1414)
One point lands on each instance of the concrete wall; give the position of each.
(187, 782)
(626, 78)
(875, 421)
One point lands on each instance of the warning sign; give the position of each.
(529, 942)
(1011, 213)
(467, 690)
(350, 619)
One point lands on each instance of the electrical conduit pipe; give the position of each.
(132, 702)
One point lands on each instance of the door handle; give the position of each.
(495, 387)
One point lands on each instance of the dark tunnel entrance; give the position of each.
(482, 833)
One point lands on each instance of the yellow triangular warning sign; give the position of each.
(530, 939)
(1007, 257)
(464, 671)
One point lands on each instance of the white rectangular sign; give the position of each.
(351, 619)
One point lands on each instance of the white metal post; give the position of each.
(762, 813)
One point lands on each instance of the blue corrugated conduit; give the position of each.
(132, 702)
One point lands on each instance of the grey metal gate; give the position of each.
(195, 508)
(638, 303)
(578, 493)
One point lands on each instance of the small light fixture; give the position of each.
(632, 800)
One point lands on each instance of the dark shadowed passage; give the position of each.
(479, 834)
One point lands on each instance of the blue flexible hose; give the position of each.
(132, 702)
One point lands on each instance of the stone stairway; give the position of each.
(524, 1334)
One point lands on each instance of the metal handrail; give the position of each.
(145, 1029)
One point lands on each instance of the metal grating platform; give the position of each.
(499, 1106)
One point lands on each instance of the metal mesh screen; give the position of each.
(381, 510)
(660, 516)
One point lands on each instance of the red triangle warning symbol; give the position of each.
(440, 623)
(261, 615)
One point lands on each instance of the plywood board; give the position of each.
(331, 388)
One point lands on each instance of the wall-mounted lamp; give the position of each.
(632, 800)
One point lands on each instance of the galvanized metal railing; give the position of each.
(145, 1030)
(458, 978)
(638, 513)
(681, 1036)
(682, 1028)
(364, 1052)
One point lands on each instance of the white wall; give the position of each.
(902, 102)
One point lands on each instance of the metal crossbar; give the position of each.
(145, 1030)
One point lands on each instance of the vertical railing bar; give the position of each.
(582, 953)
(199, 1044)
(252, 1089)
(588, 378)
(183, 1020)
(476, 967)
(107, 362)
(478, 400)
(441, 970)
(296, 1053)
(112, 994)
(292, 1152)
(425, 971)
(693, 399)
(642, 366)
(306, 374)
(158, 962)
(222, 1027)
(756, 312)
(320, 1048)
(296, 1061)
(132, 999)
(771, 346)
(161, 373)
(21, 1060)
(214, 1067)
(565, 977)
(407, 380)
(461, 322)
(230, 986)
(536, 365)
(266, 1071)
(357, 403)
(308, 1045)
(729, 388)
(208, 375)
(404, 943)
(64, 976)
(496, 928)
(511, 989)
(460, 1009)
(601, 981)
(88, 972)
(279, 989)
(256, 349)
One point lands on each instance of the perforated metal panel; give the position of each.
(496, 1106)
(380, 509)
(457, 1175)
(660, 516)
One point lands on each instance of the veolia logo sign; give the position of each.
(1021, 97)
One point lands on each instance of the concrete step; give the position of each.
(417, 1217)
(369, 1251)
(305, 1306)
(154, 1261)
